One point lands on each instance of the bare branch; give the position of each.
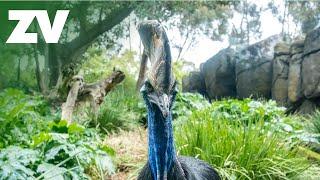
(95, 93)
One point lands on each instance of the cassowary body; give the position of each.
(159, 93)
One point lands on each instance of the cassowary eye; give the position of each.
(148, 86)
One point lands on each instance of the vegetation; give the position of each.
(36, 144)
(244, 139)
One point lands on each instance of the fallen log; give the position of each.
(93, 92)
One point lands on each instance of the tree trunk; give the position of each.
(40, 81)
(18, 71)
(64, 59)
(68, 106)
(54, 65)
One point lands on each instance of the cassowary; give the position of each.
(159, 91)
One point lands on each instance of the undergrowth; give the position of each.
(122, 109)
(37, 145)
(245, 139)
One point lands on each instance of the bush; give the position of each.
(21, 116)
(66, 152)
(234, 137)
(33, 145)
(186, 103)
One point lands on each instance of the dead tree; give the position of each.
(94, 93)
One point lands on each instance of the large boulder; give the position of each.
(280, 73)
(193, 83)
(219, 75)
(295, 92)
(312, 42)
(254, 68)
(307, 107)
(311, 65)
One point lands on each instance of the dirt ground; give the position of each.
(131, 153)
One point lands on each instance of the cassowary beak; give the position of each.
(162, 101)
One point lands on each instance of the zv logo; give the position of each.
(50, 33)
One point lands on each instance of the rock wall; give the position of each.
(193, 83)
(280, 73)
(311, 65)
(295, 92)
(287, 73)
(254, 69)
(219, 75)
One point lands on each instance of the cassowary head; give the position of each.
(160, 87)
(157, 99)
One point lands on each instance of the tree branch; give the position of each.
(84, 40)
(68, 107)
(95, 93)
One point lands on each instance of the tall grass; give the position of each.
(238, 150)
(315, 120)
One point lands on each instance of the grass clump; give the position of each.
(122, 109)
(315, 120)
(238, 139)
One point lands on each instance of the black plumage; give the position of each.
(191, 169)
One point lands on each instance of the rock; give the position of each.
(311, 65)
(297, 47)
(280, 74)
(281, 49)
(312, 42)
(254, 69)
(193, 83)
(311, 75)
(307, 107)
(295, 92)
(219, 75)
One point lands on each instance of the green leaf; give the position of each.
(41, 138)
(54, 152)
(109, 150)
(75, 128)
(51, 172)
(60, 127)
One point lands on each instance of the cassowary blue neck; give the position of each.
(161, 147)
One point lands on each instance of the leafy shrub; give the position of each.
(250, 150)
(36, 146)
(247, 110)
(66, 152)
(17, 163)
(186, 103)
(80, 148)
(21, 116)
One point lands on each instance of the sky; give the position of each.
(206, 47)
